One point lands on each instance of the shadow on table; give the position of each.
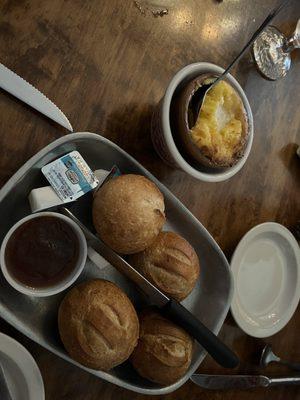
(130, 128)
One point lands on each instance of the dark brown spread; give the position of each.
(42, 252)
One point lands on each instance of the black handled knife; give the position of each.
(169, 307)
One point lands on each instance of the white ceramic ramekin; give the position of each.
(162, 137)
(60, 286)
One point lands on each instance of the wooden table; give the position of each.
(106, 65)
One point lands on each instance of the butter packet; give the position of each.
(70, 176)
(46, 197)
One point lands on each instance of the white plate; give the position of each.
(22, 374)
(266, 272)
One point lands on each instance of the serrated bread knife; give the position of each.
(24, 91)
(169, 307)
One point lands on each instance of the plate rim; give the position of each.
(253, 232)
(32, 370)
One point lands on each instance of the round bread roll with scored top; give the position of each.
(164, 351)
(128, 213)
(98, 324)
(170, 263)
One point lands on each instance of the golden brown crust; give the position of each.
(98, 324)
(164, 351)
(207, 156)
(170, 263)
(128, 213)
(204, 155)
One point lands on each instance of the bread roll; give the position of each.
(128, 213)
(98, 324)
(164, 351)
(170, 263)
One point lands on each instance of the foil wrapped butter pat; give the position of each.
(45, 197)
(70, 176)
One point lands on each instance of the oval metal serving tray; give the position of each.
(37, 317)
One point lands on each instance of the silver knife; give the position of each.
(169, 307)
(222, 382)
(24, 91)
(119, 263)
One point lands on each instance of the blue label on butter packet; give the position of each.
(70, 176)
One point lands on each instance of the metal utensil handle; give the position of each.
(292, 380)
(207, 339)
(266, 22)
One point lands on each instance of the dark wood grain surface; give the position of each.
(106, 65)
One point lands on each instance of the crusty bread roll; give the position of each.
(128, 213)
(170, 263)
(98, 324)
(164, 351)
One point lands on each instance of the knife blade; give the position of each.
(169, 307)
(223, 382)
(24, 91)
(117, 261)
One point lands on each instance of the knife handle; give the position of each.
(207, 339)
